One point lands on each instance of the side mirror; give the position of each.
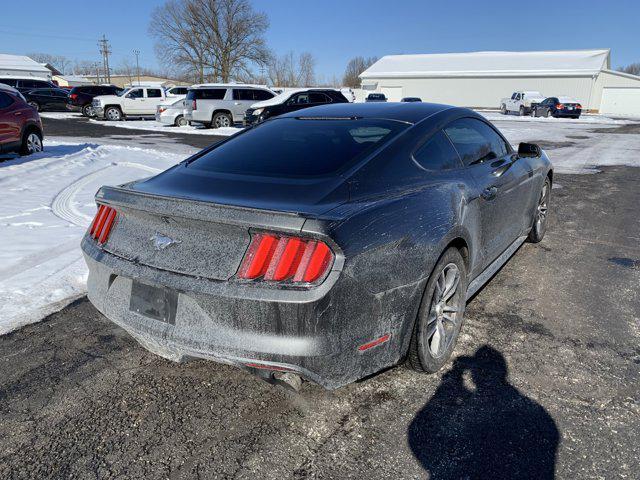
(529, 150)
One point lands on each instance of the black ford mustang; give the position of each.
(325, 244)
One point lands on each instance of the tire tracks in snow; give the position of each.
(63, 207)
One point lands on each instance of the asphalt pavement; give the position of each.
(545, 382)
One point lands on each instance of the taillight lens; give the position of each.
(579, 106)
(280, 258)
(73, 96)
(161, 109)
(102, 223)
(559, 106)
(194, 105)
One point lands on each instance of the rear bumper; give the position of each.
(567, 113)
(314, 333)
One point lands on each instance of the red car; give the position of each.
(20, 124)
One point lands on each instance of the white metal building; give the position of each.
(481, 79)
(21, 66)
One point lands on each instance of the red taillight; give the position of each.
(161, 109)
(578, 106)
(102, 223)
(283, 258)
(194, 105)
(73, 96)
(559, 106)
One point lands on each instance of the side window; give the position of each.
(513, 97)
(301, 98)
(260, 95)
(12, 82)
(475, 141)
(5, 100)
(41, 84)
(243, 94)
(154, 93)
(28, 84)
(210, 94)
(437, 154)
(137, 93)
(60, 93)
(317, 97)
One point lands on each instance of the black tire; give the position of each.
(521, 111)
(549, 114)
(113, 114)
(541, 214)
(221, 119)
(180, 121)
(34, 105)
(534, 112)
(31, 142)
(87, 110)
(426, 354)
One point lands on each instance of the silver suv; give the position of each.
(221, 105)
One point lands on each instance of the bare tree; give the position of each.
(60, 62)
(633, 69)
(213, 39)
(355, 67)
(291, 71)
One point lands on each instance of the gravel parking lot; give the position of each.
(545, 381)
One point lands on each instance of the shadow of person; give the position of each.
(491, 431)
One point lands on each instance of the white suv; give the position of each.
(222, 105)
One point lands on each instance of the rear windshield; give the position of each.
(206, 94)
(292, 147)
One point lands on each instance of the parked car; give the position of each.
(348, 94)
(47, 99)
(20, 124)
(133, 102)
(291, 101)
(558, 107)
(326, 244)
(521, 102)
(177, 91)
(376, 97)
(26, 84)
(411, 99)
(221, 105)
(81, 98)
(172, 113)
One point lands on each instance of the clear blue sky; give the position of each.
(334, 31)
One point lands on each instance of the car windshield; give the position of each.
(299, 147)
(122, 92)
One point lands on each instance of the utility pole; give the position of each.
(105, 50)
(137, 54)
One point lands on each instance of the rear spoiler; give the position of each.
(197, 210)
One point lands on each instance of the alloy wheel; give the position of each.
(222, 121)
(113, 114)
(543, 206)
(444, 314)
(34, 143)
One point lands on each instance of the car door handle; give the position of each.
(17, 113)
(237, 103)
(489, 193)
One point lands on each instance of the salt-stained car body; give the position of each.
(328, 243)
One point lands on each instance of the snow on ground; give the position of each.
(60, 115)
(46, 208)
(587, 118)
(154, 126)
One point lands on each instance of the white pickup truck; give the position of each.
(138, 101)
(521, 102)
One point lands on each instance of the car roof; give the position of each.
(404, 112)
(226, 85)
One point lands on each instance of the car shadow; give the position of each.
(478, 425)
(50, 151)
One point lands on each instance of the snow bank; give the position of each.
(60, 115)
(589, 119)
(46, 208)
(154, 126)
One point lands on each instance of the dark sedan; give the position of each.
(376, 97)
(557, 107)
(292, 101)
(48, 99)
(326, 244)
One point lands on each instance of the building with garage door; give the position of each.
(481, 79)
